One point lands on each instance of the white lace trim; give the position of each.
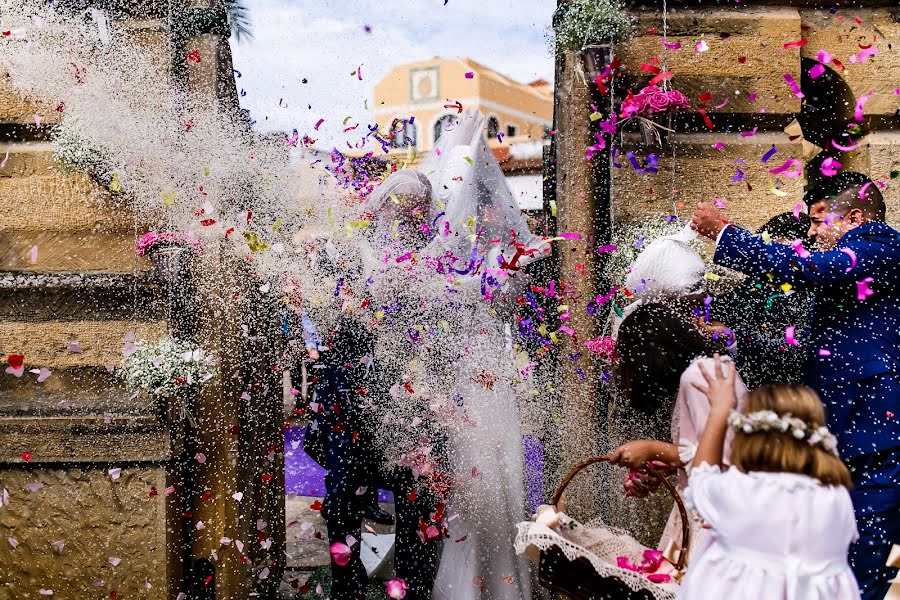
(597, 543)
(687, 450)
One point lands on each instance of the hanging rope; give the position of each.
(666, 87)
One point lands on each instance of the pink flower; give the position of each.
(678, 101)
(658, 102)
(341, 554)
(167, 238)
(396, 588)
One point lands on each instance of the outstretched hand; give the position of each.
(708, 221)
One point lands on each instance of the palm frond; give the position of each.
(239, 20)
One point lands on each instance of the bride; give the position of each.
(482, 239)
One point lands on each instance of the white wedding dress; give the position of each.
(487, 497)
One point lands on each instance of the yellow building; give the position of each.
(422, 97)
(417, 101)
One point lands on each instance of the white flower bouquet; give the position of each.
(168, 369)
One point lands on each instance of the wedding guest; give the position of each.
(661, 354)
(853, 360)
(780, 519)
(758, 312)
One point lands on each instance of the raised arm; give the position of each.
(719, 389)
(742, 251)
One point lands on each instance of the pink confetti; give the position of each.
(33, 486)
(817, 71)
(34, 254)
(470, 75)
(784, 167)
(13, 543)
(789, 335)
(862, 191)
(670, 46)
(850, 148)
(862, 289)
(359, 73)
(396, 588)
(608, 248)
(6, 158)
(718, 145)
(793, 85)
(59, 546)
(853, 259)
(719, 202)
(341, 554)
(823, 57)
(830, 167)
(798, 208)
(318, 124)
(114, 561)
(797, 245)
(866, 53)
(569, 235)
(860, 104)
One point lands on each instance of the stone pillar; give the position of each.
(580, 202)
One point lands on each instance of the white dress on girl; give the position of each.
(779, 536)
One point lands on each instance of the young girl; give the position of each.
(780, 518)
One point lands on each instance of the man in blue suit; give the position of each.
(854, 342)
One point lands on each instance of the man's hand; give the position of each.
(313, 354)
(708, 221)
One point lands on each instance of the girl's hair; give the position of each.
(654, 346)
(777, 452)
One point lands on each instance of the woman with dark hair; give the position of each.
(660, 353)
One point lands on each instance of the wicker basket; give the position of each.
(578, 579)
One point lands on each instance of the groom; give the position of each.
(854, 342)
(400, 204)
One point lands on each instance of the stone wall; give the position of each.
(82, 461)
(83, 534)
(747, 55)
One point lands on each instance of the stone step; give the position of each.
(14, 108)
(48, 343)
(71, 251)
(81, 296)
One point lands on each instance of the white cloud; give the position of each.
(323, 41)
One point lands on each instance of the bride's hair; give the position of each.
(655, 345)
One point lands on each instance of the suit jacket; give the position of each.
(758, 313)
(854, 344)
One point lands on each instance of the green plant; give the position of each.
(168, 368)
(580, 24)
(73, 153)
(239, 20)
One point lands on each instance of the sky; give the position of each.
(324, 41)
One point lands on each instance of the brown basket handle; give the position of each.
(685, 524)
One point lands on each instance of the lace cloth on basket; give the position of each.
(599, 544)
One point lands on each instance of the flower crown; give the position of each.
(767, 420)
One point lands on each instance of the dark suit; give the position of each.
(758, 313)
(854, 364)
(353, 463)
